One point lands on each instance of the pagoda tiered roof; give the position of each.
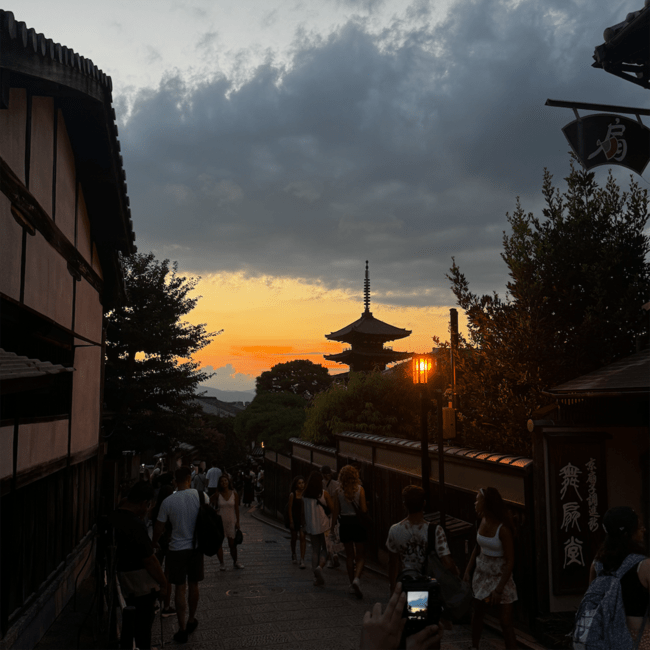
(368, 325)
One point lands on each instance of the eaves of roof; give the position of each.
(628, 376)
(19, 373)
(84, 94)
(368, 325)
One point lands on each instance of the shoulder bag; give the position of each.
(456, 593)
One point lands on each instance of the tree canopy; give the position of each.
(379, 403)
(149, 388)
(272, 418)
(301, 377)
(579, 277)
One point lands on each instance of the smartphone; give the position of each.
(423, 605)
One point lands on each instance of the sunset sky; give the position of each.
(271, 147)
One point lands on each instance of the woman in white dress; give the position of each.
(318, 508)
(226, 501)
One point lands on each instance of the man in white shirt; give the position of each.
(184, 563)
(213, 476)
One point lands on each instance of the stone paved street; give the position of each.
(272, 603)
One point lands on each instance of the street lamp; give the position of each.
(422, 365)
(422, 368)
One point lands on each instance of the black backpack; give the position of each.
(208, 532)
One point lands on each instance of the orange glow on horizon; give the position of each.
(269, 320)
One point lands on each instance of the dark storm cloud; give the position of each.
(403, 148)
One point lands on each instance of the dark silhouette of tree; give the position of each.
(149, 387)
(301, 377)
(579, 277)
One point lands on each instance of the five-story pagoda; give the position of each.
(366, 337)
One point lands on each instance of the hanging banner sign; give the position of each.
(609, 140)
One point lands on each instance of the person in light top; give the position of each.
(492, 582)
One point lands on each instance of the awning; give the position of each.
(19, 373)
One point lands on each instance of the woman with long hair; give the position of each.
(626, 536)
(492, 582)
(297, 519)
(226, 501)
(351, 499)
(318, 507)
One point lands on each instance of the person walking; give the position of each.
(165, 491)
(139, 572)
(184, 562)
(297, 519)
(332, 537)
(226, 501)
(492, 582)
(318, 506)
(625, 536)
(351, 499)
(249, 487)
(200, 478)
(213, 476)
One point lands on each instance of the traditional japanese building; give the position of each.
(64, 220)
(366, 338)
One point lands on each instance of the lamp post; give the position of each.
(422, 365)
(421, 370)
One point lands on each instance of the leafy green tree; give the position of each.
(573, 304)
(385, 404)
(272, 418)
(301, 377)
(215, 438)
(150, 377)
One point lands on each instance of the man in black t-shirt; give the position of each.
(141, 577)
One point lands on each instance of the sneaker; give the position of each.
(168, 611)
(238, 565)
(191, 626)
(294, 559)
(356, 585)
(351, 589)
(222, 567)
(302, 564)
(181, 636)
(318, 574)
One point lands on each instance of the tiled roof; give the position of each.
(628, 375)
(14, 367)
(370, 326)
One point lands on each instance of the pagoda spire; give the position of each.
(366, 290)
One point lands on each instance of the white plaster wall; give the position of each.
(65, 181)
(41, 442)
(12, 132)
(42, 151)
(6, 451)
(11, 236)
(48, 285)
(85, 397)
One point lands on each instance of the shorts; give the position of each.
(351, 530)
(184, 566)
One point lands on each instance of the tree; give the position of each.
(573, 304)
(272, 418)
(384, 404)
(301, 377)
(149, 388)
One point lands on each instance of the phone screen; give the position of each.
(418, 604)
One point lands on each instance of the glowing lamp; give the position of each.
(421, 369)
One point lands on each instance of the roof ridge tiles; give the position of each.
(47, 48)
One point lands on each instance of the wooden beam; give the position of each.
(29, 214)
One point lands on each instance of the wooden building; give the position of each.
(64, 219)
(366, 338)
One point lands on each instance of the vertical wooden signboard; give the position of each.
(577, 483)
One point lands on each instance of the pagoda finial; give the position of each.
(366, 290)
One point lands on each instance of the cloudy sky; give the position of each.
(272, 146)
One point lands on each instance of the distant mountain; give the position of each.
(419, 603)
(228, 395)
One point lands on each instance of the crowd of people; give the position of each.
(333, 515)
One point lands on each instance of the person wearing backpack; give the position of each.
(492, 582)
(613, 613)
(183, 561)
